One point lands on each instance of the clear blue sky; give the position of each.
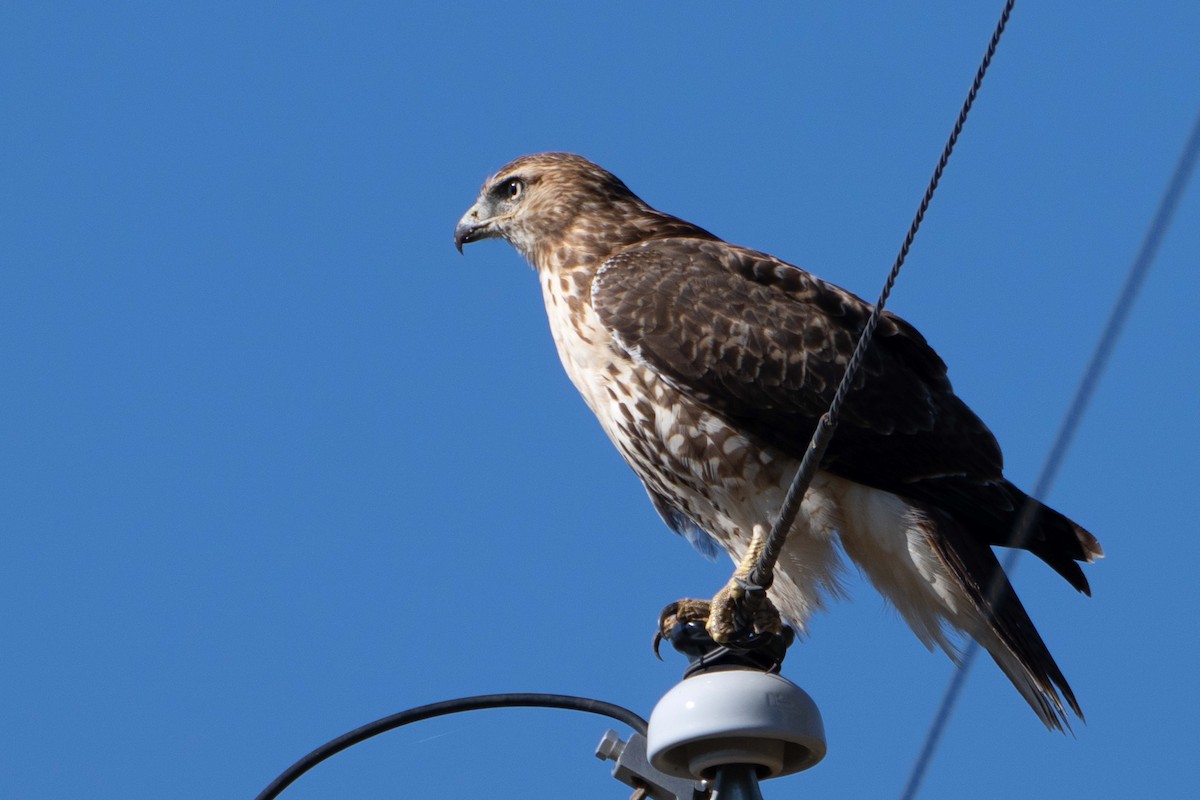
(275, 460)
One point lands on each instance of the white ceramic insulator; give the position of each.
(736, 716)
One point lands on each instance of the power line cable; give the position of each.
(763, 571)
(1109, 335)
(509, 700)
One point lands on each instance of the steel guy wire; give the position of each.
(764, 567)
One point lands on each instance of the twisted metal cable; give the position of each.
(764, 567)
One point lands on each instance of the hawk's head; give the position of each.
(536, 200)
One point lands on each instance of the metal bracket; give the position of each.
(633, 769)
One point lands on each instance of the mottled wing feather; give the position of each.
(765, 344)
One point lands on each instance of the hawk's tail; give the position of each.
(1050, 536)
(996, 510)
(1002, 625)
(936, 566)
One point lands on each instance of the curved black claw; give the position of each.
(677, 616)
(684, 625)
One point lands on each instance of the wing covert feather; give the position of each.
(765, 344)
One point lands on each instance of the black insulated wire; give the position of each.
(476, 703)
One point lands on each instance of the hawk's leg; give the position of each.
(741, 608)
(738, 611)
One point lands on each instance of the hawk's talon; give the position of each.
(741, 610)
(760, 646)
(680, 624)
(739, 615)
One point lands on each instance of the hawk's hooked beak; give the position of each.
(476, 224)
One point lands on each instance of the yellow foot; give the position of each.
(734, 616)
(678, 614)
(741, 608)
(738, 611)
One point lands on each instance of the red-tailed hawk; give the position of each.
(708, 366)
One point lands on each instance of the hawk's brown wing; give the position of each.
(765, 344)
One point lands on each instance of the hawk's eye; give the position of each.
(512, 188)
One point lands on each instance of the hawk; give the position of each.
(708, 365)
